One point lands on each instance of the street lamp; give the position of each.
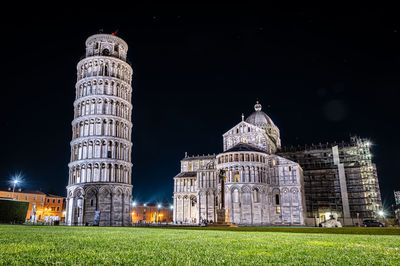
(171, 207)
(381, 213)
(15, 182)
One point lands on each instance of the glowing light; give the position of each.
(145, 204)
(171, 207)
(16, 179)
(134, 204)
(159, 205)
(381, 213)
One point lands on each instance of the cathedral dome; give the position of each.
(259, 118)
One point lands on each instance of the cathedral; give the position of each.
(266, 184)
(261, 187)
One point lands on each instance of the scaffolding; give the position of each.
(322, 183)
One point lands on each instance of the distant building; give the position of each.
(150, 213)
(42, 207)
(396, 207)
(397, 197)
(54, 208)
(267, 184)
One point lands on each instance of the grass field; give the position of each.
(106, 245)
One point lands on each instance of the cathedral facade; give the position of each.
(99, 187)
(261, 188)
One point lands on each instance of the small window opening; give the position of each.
(106, 52)
(277, 199)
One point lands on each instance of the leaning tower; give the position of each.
(99, 188)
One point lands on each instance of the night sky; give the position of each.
(321, 75)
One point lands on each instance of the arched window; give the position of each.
(256, 195)
(237, 178)
(106, 70)
(276, 199)
(193, 201)
(105, 52)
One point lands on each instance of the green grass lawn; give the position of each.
(308, 230)
(106, 245)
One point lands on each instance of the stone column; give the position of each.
(175, 207)
(198, 208)
(256, 176)
(229, 203)
(183, 208)
(189, 208)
